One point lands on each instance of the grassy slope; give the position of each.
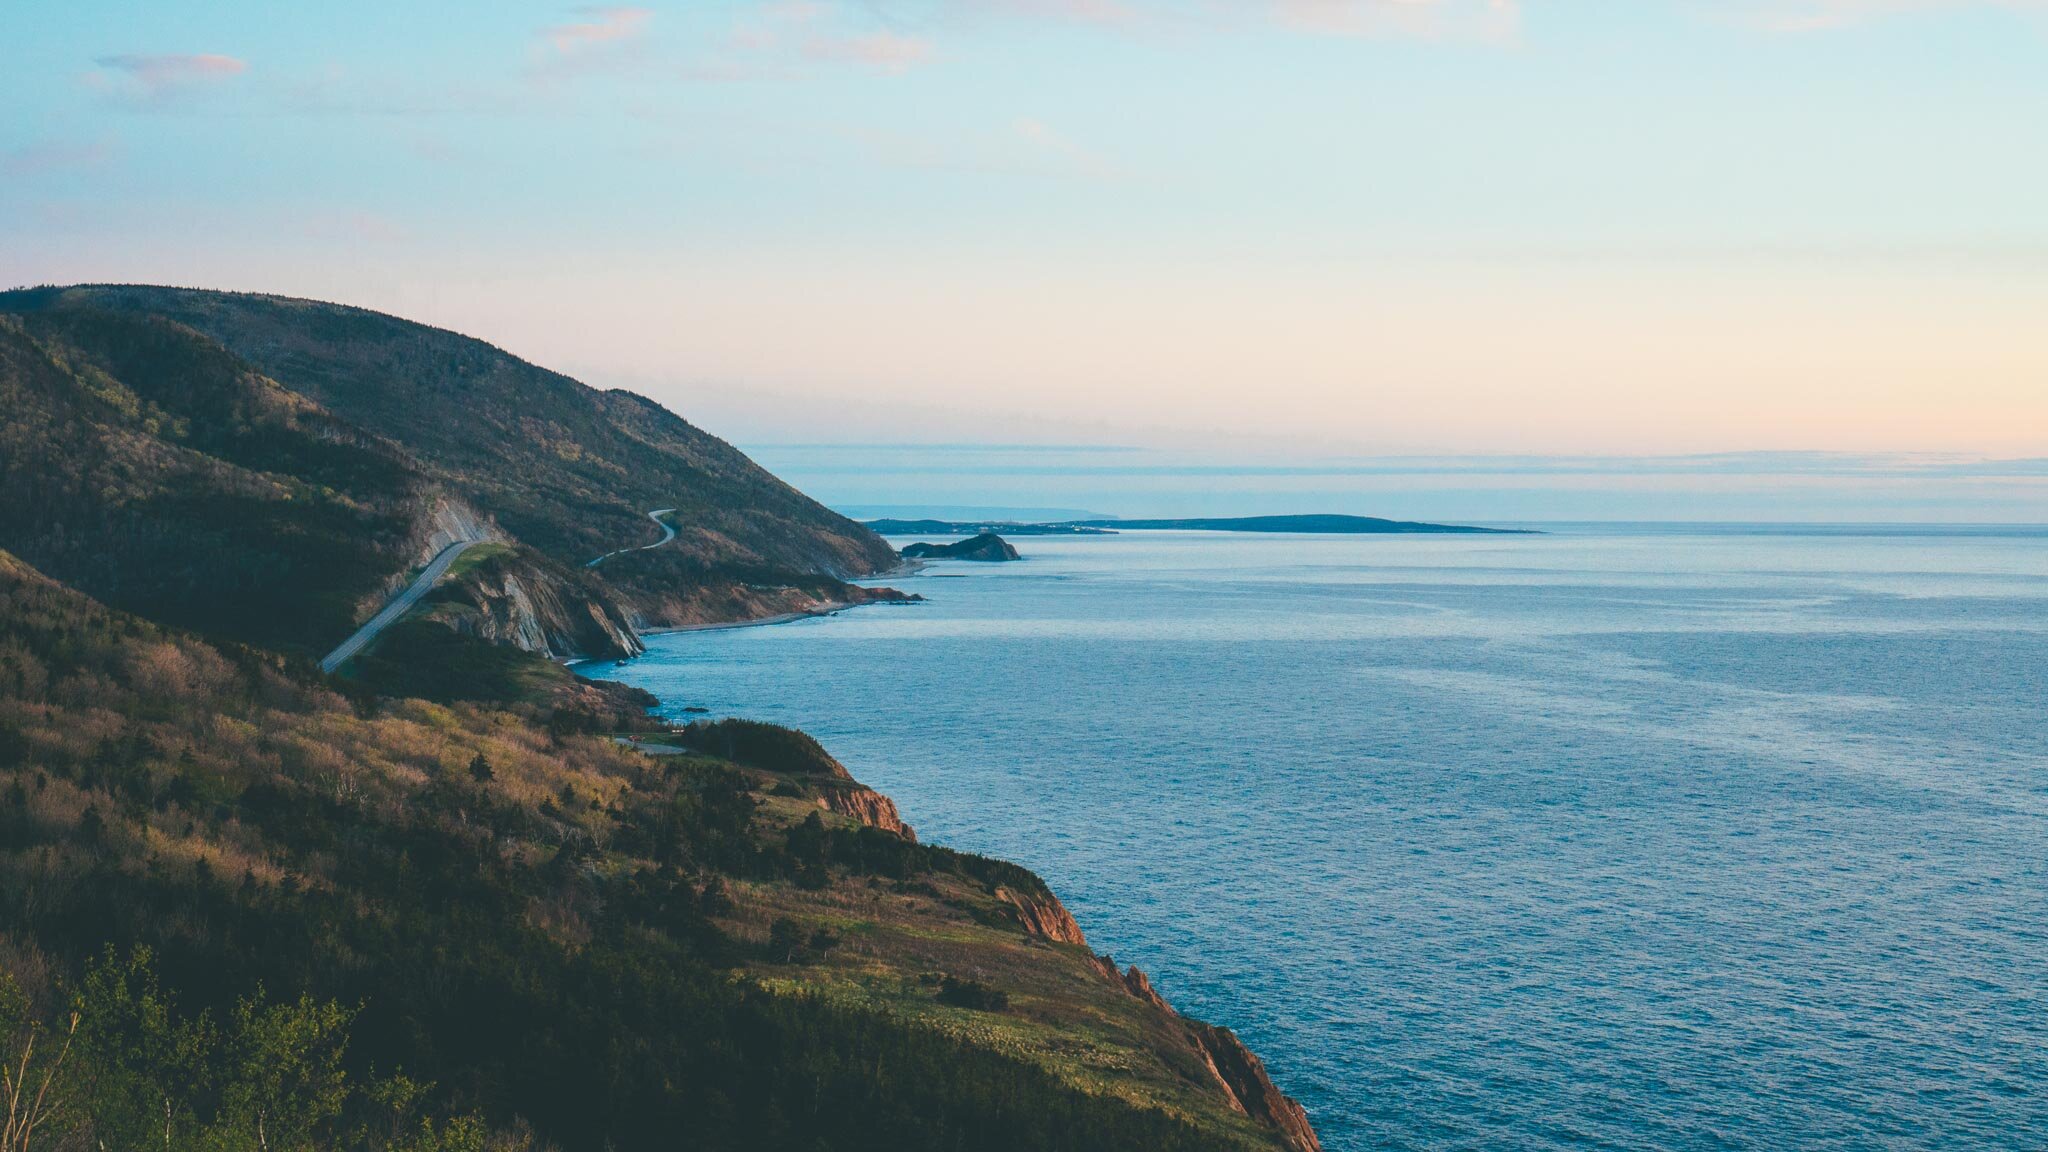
(541, 943)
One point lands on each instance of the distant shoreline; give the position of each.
(1318, 524)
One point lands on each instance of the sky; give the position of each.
(1534, 258)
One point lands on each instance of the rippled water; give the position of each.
(1605, 838)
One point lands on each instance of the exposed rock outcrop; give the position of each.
(1043, 916)
(1138, 984)
(1237, 1070)
(450, 521)
(517, 600)
(867, 806)
(1244, 1077)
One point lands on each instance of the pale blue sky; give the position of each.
(1337, 227)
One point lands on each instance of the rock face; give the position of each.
(527, 606)
(986, 547)
(1138, 984)
(1043, 916)
(1238, 1071)
(867, 806)
(1245, 1078)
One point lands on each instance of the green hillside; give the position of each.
(456, 897)
(149, 467)
(266, 901)
(271, 470)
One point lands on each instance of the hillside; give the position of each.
(558, 940)
(565, 468)
(271, 470)
(158, 472)
(457, 897)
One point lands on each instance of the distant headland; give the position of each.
(986, 546)
(1326, 525)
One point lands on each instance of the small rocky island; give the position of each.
(988, 547)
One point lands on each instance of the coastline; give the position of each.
(827, 608)
(832, 608)
(1231, 1066)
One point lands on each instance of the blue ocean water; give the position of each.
(1613, 837)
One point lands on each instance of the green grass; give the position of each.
(476, 557)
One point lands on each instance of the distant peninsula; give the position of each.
(1326, 525)
(980, 527)
(986, 546)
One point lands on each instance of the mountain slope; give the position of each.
(563, 467)
(272, 469)
(615, 949)
(142, 463)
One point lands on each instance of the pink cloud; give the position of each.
(888, 51)
(601, 26)
(157, 78)
(813, 30)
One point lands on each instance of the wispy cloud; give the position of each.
(160, 78)
(47, 156)
(598, 27)
(1355, 18)
(1824, 15)
(826, 33)
(599, 39)
(1050, 143)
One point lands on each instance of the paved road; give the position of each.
(399, 606)
(668, 533)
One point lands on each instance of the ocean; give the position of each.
(1613, 837)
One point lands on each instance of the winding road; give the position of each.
(668, 533)
(399, 605)
(431, 575)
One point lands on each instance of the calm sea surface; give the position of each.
(1627, 838)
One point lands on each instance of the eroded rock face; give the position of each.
(1138, 984)
(1238, 1072)
(1043, 916)
(530, 608)
(867, 806)
(1244, 1077)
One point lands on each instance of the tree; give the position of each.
(35, 1085)
(480, 769)
(286, 1082)
(143, 1064)
(785, 940)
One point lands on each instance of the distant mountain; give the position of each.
(1316, 524)
(269, 468)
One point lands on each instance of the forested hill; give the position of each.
(271, 469)
(456, 898)
(246, 904)
(566, 468)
